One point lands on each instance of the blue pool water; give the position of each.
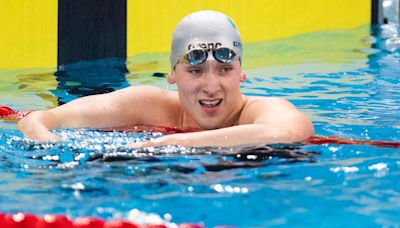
(347, 82)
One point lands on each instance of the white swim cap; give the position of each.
(206, 29)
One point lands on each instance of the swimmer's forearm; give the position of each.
(232, 136)
(37, 126)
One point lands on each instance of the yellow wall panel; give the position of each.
(151, 30)
(28, 33)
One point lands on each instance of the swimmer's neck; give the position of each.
(187, 122)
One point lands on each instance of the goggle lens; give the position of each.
(224, 55)
(198, 56)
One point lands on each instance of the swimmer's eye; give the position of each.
(226, 69)
(195, 71)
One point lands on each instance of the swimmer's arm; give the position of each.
(78, 113)
(260, 123)
(230, 136)
(121, 108)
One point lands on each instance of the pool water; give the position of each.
(347, 82)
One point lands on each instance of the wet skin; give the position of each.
(208, 98)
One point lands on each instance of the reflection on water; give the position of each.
(89, 78)
(40, 85)
(27, 88)
(384, 65)
(48, 88)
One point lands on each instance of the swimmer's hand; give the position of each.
(41, 135)
(36, 127)
(44, 137)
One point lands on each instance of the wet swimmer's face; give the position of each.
(210, 92)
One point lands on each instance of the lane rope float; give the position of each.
(23, 220)
(8, 113)
(321, 140)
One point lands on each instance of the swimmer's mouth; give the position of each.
(210, 103)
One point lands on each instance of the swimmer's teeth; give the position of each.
(210, 102)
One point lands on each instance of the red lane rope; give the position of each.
(319, 140)
(24, 220)
(9, 114)
(5, 111)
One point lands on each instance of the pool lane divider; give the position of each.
(24, 220)
(322, 140)
(9, 114)
(5, 111)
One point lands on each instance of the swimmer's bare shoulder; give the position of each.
(275, 113)
(149, 105)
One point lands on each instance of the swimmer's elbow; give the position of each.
(296, 129)
(303, 129)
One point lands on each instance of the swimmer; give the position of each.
(205, 60)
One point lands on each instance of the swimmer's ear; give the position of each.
(243, 76)
(171, 77)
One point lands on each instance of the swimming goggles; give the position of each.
(200, 55)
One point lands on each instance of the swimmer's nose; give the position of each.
(211, 83)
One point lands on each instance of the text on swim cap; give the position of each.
(212, 46)
(237, 44)
(208, 46)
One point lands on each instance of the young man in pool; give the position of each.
(205, 60)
